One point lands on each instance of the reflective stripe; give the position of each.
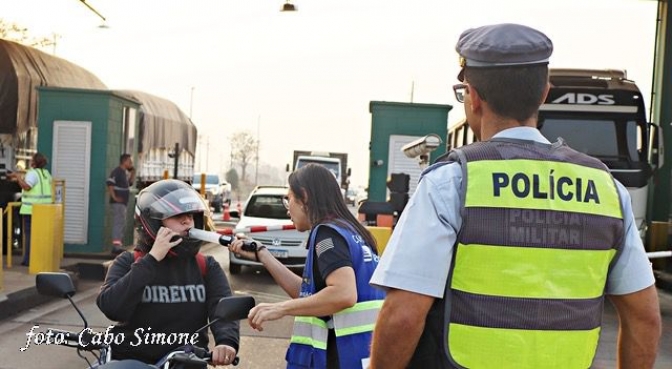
(35, 199)
(502, 271)
(357, 319)
(310, 331)
(545, 185)
(541, 228)
(523, 313)
(519, 349)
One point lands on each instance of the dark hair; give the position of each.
(39, 160)
(123, 158)
(511, 92)
(325, 202)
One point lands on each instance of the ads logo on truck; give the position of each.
(585, 99)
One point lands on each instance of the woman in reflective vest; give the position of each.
(36, 186)
(334, 306)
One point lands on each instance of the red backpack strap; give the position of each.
(200, 259)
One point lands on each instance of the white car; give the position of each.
(264, 207)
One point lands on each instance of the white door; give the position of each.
(400, 163)
(71, 157)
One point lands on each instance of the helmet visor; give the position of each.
(174, 203)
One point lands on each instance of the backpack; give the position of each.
(200, 259)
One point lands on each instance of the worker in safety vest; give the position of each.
(333, 305)
(504, 254)
(36, 189)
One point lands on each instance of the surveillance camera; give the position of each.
(422, 146)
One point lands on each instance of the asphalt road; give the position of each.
(259, 350)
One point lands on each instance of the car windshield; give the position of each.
(209, 179)
(266, 206)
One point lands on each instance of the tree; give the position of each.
(232, 178)
(14, 32)
(243, 151)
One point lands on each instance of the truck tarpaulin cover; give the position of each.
(22, 70)
(162, 123)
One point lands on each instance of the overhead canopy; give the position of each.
(162, 123)
(22, 69)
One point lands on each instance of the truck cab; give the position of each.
(601, 113)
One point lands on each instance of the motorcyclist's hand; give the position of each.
(265, 312)
(223, 355)
(237, 248)
(162, 243)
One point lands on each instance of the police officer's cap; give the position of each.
(502, 45)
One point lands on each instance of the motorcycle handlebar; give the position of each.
(196, 356)
(69, 336)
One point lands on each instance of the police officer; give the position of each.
(505, 252)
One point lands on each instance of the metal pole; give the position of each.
(191, 101)
(659, 254)
(176, 158)
(256, 170)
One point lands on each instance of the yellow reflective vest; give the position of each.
(40, 193)
(527, 290)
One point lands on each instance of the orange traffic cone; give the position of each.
(225, 215)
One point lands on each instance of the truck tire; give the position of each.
(235, 268)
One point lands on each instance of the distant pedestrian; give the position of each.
(36, 189)
(118, 185)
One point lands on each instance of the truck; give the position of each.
(336, 162)
(600, 113)
(22, 70)
(163, 129)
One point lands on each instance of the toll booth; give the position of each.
(83, 132)
(393, 125)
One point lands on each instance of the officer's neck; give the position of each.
(493, 124)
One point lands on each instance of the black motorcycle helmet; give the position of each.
(162, 200)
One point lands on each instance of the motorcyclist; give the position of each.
(165, 290)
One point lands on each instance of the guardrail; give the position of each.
(659, 254)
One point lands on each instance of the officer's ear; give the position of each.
(544, 95)
(474, 98)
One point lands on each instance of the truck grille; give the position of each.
(268, 241)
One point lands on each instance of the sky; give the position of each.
(304, 80)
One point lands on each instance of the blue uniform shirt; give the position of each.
(418, 256)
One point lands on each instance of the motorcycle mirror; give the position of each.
(232, 308)
(54, 284)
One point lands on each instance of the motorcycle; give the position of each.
(87, 341)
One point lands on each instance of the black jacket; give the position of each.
(159, 302)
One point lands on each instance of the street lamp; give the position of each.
(288, 7)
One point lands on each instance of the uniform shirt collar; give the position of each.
(522, 133)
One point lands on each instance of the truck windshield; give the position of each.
(209, 179)
(608, 140)
(335, 168)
